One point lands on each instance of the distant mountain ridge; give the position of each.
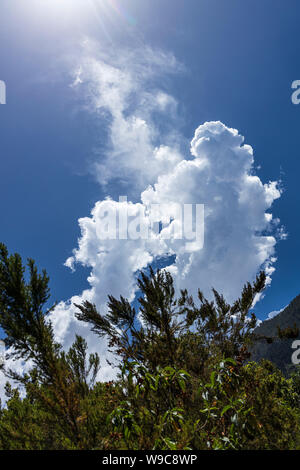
(280, 351)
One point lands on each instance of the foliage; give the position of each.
(185, 379)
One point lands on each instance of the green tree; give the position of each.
(175, 331)
(57, 381)
(185, 378)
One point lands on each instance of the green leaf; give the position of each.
(226, 408)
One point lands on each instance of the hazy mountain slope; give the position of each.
(280, 351)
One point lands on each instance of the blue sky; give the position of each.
(238, 62)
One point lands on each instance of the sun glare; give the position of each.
(80, 7)
(62, 6)
(57, 14)
(71, 17)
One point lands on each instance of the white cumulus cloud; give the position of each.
(144, 158)
(218, 174)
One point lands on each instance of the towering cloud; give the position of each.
(144, 160)
(143, 157)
